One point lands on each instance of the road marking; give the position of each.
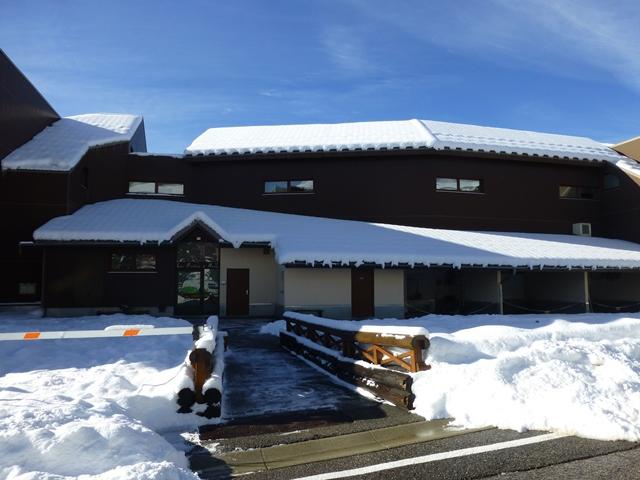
(434, 457)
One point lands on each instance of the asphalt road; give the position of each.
(567, 458)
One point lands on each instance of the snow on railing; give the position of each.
(372, 357)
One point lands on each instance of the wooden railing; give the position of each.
(399, 350)
(394, 355)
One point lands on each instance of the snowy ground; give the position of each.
(577, 374)
(95, 408)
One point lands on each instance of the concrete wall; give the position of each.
(263, 279)
(329, 290)
(388, 288)
(325, 289)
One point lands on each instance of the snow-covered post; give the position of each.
(205, 369)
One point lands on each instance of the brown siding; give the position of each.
(23, 111)
(79, 277)
(400, 189)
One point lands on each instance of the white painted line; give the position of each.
(434, 457)
(115, 332)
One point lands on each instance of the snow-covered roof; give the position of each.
(296, 238)
(60, 146)
(389, 135)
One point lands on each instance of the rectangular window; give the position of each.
(275, 187)
(171, 188)
(27, 288)
(301, 186)
(577, 193)
(133, 262)
(142, 187)
(466, 185)
(153, 188)
(447, 184)
(289, 186)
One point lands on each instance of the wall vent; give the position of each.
(582, 229)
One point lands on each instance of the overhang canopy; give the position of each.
(313, 240)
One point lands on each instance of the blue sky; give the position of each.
(565, 66)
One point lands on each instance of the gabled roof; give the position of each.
(62, 145)
(395, 135)
(313, 240)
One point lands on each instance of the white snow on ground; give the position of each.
(62, 145)
(96, 408)
(399, 134)
(297, 238)
(577, 374)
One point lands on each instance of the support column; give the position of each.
(587, 295)
(500, 299)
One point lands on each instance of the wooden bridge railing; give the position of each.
(398, 354)
(398, 350)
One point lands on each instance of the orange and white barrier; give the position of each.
(108, 333)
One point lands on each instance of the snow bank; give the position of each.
(576, 377)
(313, 240)
(579, 376)
(62, 145)
(103, 408)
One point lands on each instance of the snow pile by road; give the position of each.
(578, 374)
(100, 408)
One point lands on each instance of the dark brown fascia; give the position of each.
(304, 155)
(421, 266)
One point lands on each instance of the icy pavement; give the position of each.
(261, 377)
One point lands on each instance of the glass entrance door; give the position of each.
(190, 292)
(198, 282)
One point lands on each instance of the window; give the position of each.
(133, 262)
(466, 185)
(577, 193)
(153, 188)
(301, 186)
(25, 288)
(171, 188)
(142, 187)
(276, 187)
(611, 181)
(289, 186)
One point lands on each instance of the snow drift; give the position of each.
(578, 374)
(104, 408)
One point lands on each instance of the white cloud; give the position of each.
(345, 49)
(576, 38)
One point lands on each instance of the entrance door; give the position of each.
(362, 293)
(237, 291)
(189, 300)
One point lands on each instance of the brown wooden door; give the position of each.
(237, 291)
(362, 293)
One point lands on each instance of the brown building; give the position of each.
(412, 173)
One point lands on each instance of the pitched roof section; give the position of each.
(296, 238)
(313, 138)
(62, 145)
(403, 134)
